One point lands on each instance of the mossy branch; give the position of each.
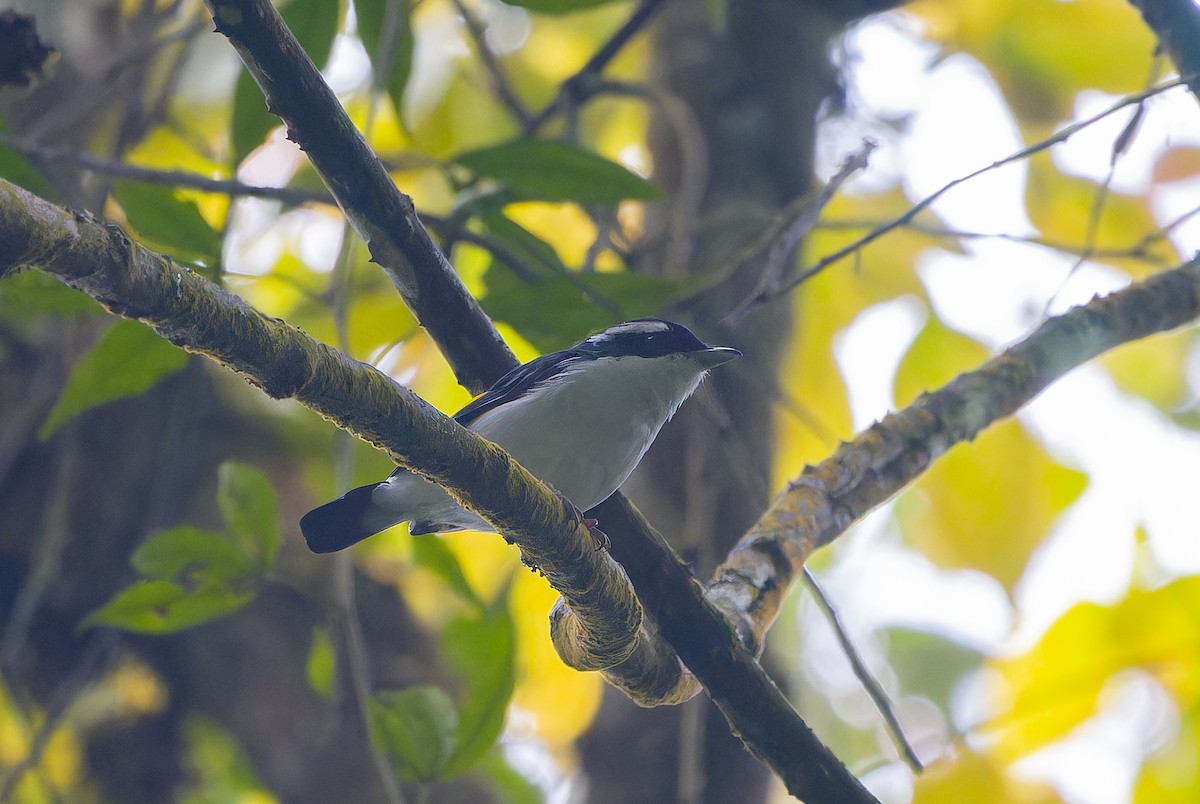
(192, 312)
(865, 473)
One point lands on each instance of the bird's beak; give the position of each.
(714, 356)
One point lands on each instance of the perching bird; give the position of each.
(580, 420)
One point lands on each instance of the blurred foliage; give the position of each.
(544, 228)
(190, 576)
(1060, 682)
(129, 359)
(990, 504)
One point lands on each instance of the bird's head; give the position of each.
(654, 338)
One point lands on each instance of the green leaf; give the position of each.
(557, 6)
(435, 556)
(321, 664)
(990, 504)
(372, 18)
(929, 664)
(556, 310)
(128, 359)
(414, 728)
(536, 255)
(247, 501)
(549, 170)
(315, 24)
(16, 169)
(161, 607)
(170, 223)
(512, 785)
(204, 556)
(483, 651)
(30, 293)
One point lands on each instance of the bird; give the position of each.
(580, 420)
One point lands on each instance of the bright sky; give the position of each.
(1141, 467)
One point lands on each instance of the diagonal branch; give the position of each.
(382, 216)
(315, 121)
(1177, 25)
(868, 471)
(192, 312)
(909, 215)
(603, 627)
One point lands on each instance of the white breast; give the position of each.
(586, 435)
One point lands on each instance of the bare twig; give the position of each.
(499, 81)
(177, 178)
(913, 211)
(354, 659)
(792, 224)
(355, 673)
(878, 697)
(56, 535)
(1120, 145)
(1138, 251)
(578, 87)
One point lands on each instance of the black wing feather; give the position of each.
(516, 383)
(513, 385)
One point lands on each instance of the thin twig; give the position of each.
(1138, 251)
(499, 81)
(863, 674)
(796, 221)
(577, 87)
(54, 538)
(96, 657)
(924, 203)
(355, 658)
(1100, 199)
(178, 178)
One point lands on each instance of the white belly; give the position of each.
(584, 440)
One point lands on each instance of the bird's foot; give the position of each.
(600, 537)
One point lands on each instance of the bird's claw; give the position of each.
(600, 537)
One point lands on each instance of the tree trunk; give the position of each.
(753, 90)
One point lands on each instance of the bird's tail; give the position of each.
(345, 521)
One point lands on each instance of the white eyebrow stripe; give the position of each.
(630, 328)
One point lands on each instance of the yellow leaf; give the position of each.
(969, 777)
(937, 355)
(1154, 368)
(561, 702)
(1061, 207)
(1060, 682)
(1172, 774)
(1043, 52)
(988, 505)
(565, 226)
